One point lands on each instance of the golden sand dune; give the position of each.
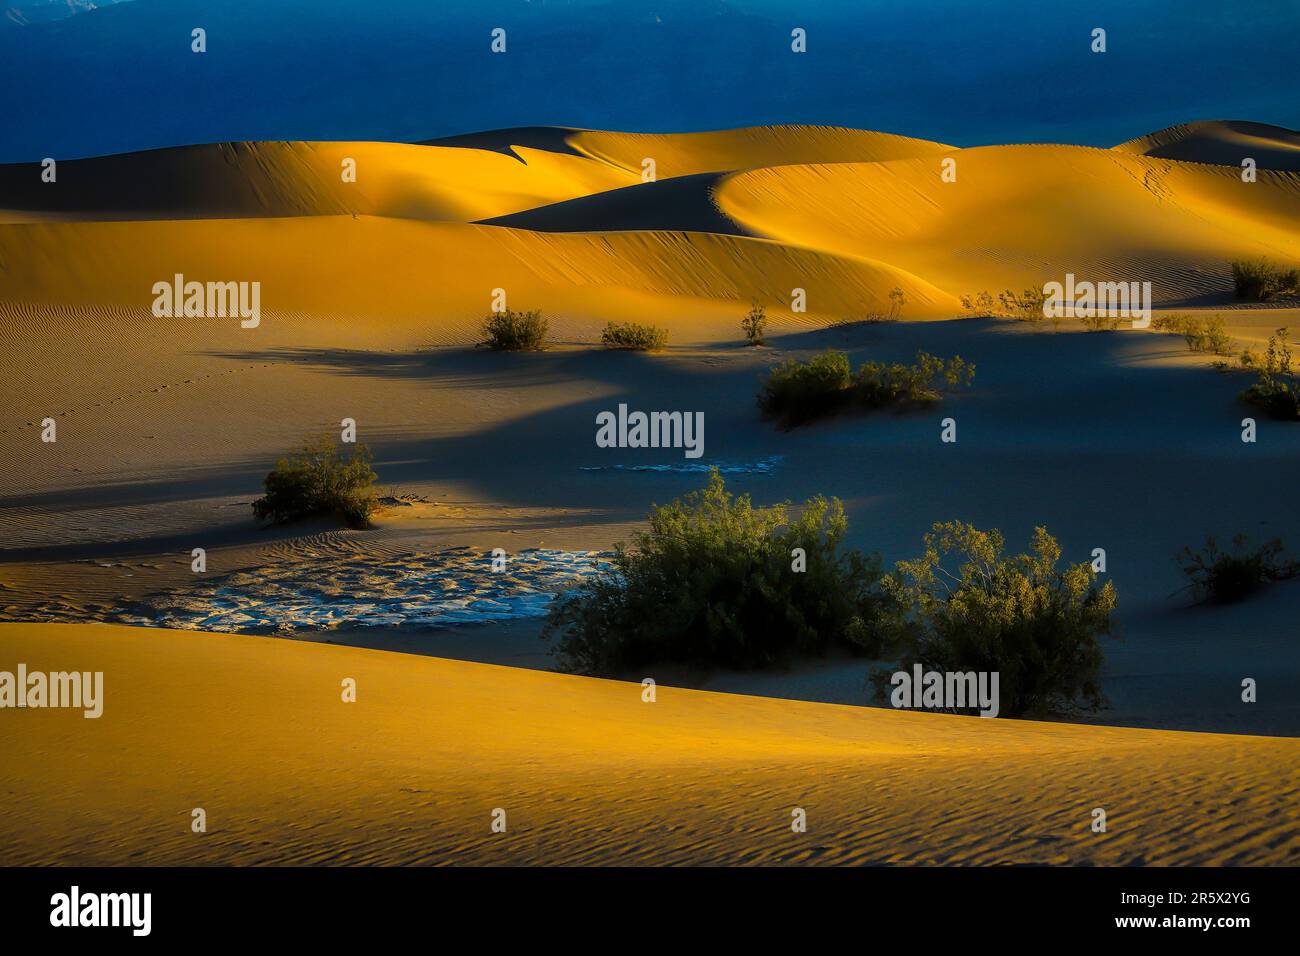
(397, 280)
(254, 732)
(1017, 216)
(240, 180)
(684, 154)
(460, 179)
(1222, 142)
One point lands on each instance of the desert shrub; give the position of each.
(1260, 280)
(896, 302)
(980, 304)
(512, 331)
(318, 480)
(874, 315)
(796, 392)
(1025, 306)
(1201, 335)
(1216, 337)
(876, 385)
(753, 324)
(1277, 388)
(633, 335)
(963, 606)
(710, 584)
(1227, 576)
(1100, 321)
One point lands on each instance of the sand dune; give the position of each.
(253, 731)
(685, 154)
(1223, 143)
(242, 180)
(459, 179)
(1021, 215)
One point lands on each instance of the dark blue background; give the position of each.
(964, 72)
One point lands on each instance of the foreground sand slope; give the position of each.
(253, 731)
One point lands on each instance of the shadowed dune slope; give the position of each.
(1222, 143)
(687, 154)
(685, 203)
(586, 772)
(241, 180)
(1018, 216)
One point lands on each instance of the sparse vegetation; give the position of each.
(512, 331)
(1277, 389)
(873, 315)
(797, 392)
(754, 323)
(1037, 625)
(1225, 577)
(711, 584)
(1259, 280)
(1200, 334)
(1025, 306)
(319, 480)
(633, 335)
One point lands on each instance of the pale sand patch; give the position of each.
(253, 731)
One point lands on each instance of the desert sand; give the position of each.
(372, 296)
(254, 731)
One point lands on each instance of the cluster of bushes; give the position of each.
(319, 480)
(717, 582)
(796, 392)
(1277, 389)
(710, 585)
(964, 606)
(633, 335)
(511, 331)
(1201, 335)
(1259, 280)
(1025, 306)
(1224, 577)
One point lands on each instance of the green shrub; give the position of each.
(1034, 623)
(1227, 576)
(797, 392)
(1260, 280)
(711, 584)
(633, 335)
(1026, 306)
(1201, 335)
(1100, 321)
(318, 480)
(753, 324)
(512, 331)
(1277, 389)
(979, 305)
(876, 385)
